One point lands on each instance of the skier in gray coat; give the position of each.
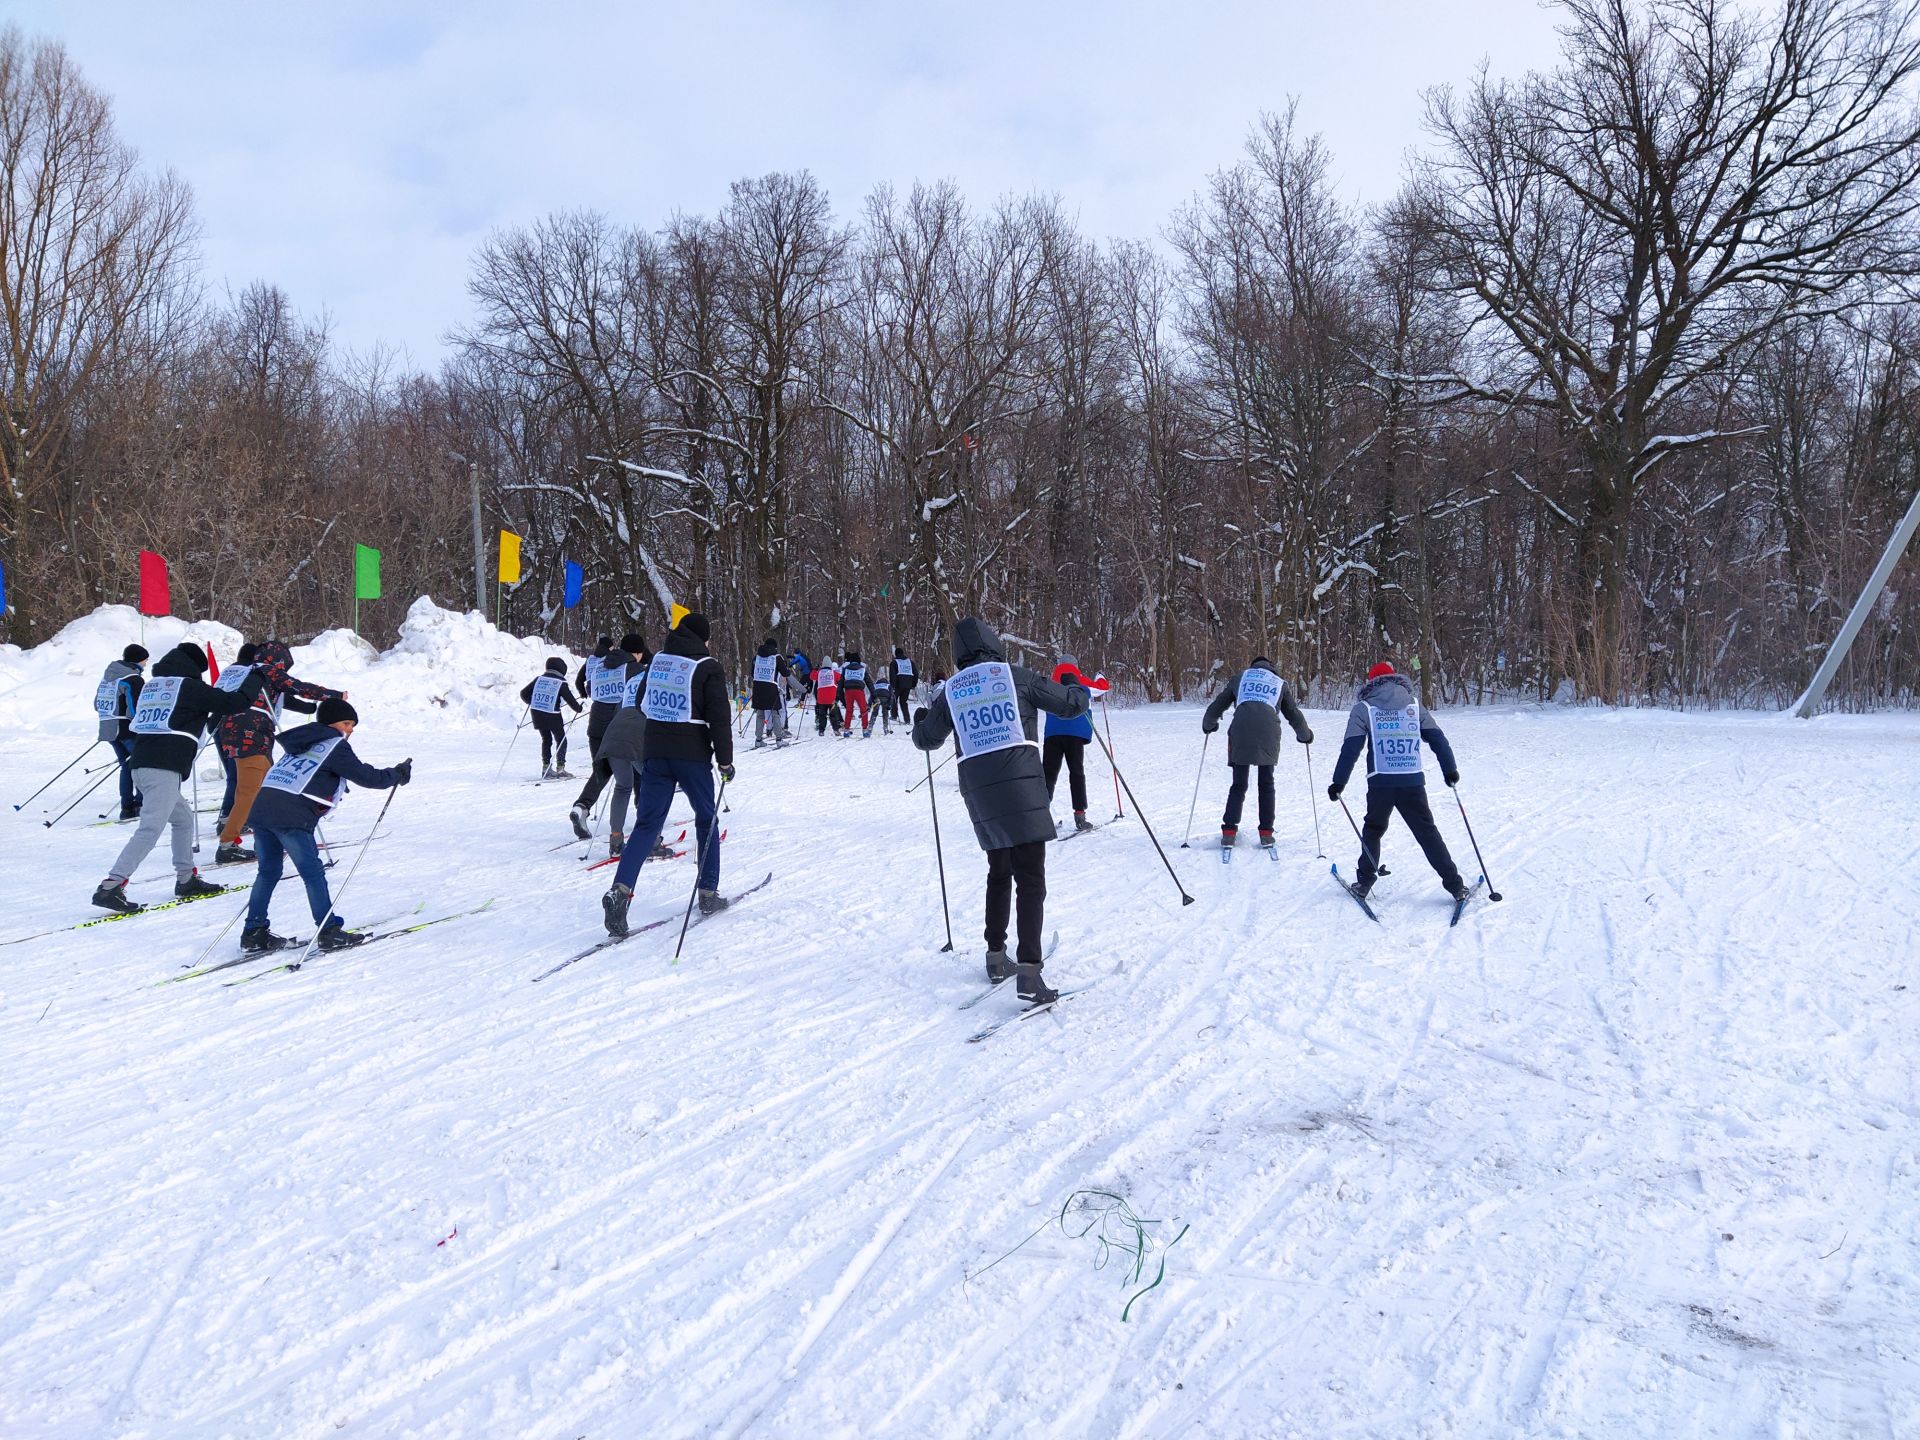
(114, 702)
(988, 707)
(1259, 697)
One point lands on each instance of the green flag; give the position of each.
(366, 573)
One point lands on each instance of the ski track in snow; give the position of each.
(1630, 1153)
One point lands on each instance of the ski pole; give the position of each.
(941, 859)
(935, 770)
(1205, 741)
(1185, 899)
(1120, 811)
(63, 770)
(49, 824)
(334, 903)
(1492, 894)
(516, 735)
(713, 827)
(1313, 799)
(1378, 868)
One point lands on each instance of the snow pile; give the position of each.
(40, 688)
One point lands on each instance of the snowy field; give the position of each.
(1630, 1154)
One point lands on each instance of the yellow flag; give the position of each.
(509, 558)
(676, 615)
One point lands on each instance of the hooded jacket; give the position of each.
(1254, 736)
(766, 693)
(625, 735)
(603, 712)
(1389, 692)
(287, 810)
(1005, 790)
(251, 731)
(195, 702)
(125, 681)
(708, 733)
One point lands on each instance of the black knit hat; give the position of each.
(557, 664)
(696, 626)
(633, 642)
(247, 653)
(134, 655)
(332, 712)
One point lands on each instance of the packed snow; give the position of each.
(1630, 1153)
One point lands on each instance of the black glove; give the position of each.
(919, 713)
(1306, 739)
(1333, 792)
(1209, 725)
(403, 772)
(726, 773)
(1452, 777)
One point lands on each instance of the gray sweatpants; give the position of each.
(163, 803)
(625, 774)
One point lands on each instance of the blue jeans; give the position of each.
(658, 780)
(273, 847)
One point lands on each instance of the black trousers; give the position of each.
(903, 697)
(553, 738)
(883, 710)
(1073, 750)
(825, 715)
(1024, 866)
(602, 775)
(1237, 797)
(1411, 802)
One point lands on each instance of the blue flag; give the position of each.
(575, 578)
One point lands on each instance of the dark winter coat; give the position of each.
(199, 702)
(126, 681)
(251, 731)
(564, 697)
(1389, 692)
(284, 810)
(618, 736)
(1254, 736)
(709, 733)
(895, 676)
(766, 695)
(602, 714)
(1005, 790)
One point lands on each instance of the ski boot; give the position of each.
(1000, 966)
(1033, 986)
(130, 812)
(262, 941)
(1228, 835)
(1456, 887)
(866, 732)
(613, 905)
(712, 902)
(231, 853)
(661, 851)
(193, 888)
(114, 897)
(616, 842)
(338, 937)
(578, 815)
(560, 772)
(1362, 887)
(546, 772)
(1080, 821)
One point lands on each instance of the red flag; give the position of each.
(213, 665)
(154, 596)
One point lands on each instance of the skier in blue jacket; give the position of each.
(1391, 725)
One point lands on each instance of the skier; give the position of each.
(688, 730)
(623, 747)
(881, 683)
(1390, 723)
(901, 670)
(304, 786)
(114, 701)
(988, 708)
(769, 712)
(1067, 738)
(826, 696)
(248, 736)
(228, 767)
(604, 677)
(168, 726)
(543, 696)
(799, 676)
(853, 691)
(1259, 697)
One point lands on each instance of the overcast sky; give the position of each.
(355, 153)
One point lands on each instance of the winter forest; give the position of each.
(1617, 399)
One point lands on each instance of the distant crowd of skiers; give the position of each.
(662, 723)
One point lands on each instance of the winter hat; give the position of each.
(1068, 667)
(633, 642)
(247, 652)
(189, 654)
(695, 625)
(602, 645)
(1383, 668)
(557, 664)
(134, 655)
(332, 712)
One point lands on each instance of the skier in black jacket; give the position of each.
(604, 677)
(988, 707)
(168, 727)
(769, 713)
(1259, 697)
(543, 696)
(689, 730)
(900, 673)
(310, 778)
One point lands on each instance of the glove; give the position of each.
(1452, 777)
(1333, 792)
(919, 713)
(1208, 726)
(403, 772)
(727, 773)
(1306, 739)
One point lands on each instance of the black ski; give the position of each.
(613, 940)
(1460, 905)
(1028, 1012)
(1354, 895)
(373, 939)
(994, 989)
(247, 957)
(118, 915)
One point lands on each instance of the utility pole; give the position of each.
(479, 543)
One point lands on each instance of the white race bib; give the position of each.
(670, 690)
(155, 713)
(606, 682)
(855, 674)
(1396, 740)
(546, 694)
(106, 700)
(986, 710)
(1260, 687)
(905, 667)
(764, 668)
(292, 772)
(826, 678)
(233, 677)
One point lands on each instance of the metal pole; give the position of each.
(57, 774)
(1194, 804)
(479, 542)
(938, 855)
(1809, 702)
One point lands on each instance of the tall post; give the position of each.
(479, 543)
(1809, 703)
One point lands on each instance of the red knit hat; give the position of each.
(1383, 668)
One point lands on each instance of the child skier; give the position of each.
(853, 691)
(689, 729)
(604, 678)
(247, 738)
(309, 779)
(543, 696)
(1066, 742)
(989, 710)
(769, 717)
(228, 764)
(903, 680)
(114, 701)
(1259, 697)
(826, 696)
(168, 726)
(881, 683)
(1390, 724)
